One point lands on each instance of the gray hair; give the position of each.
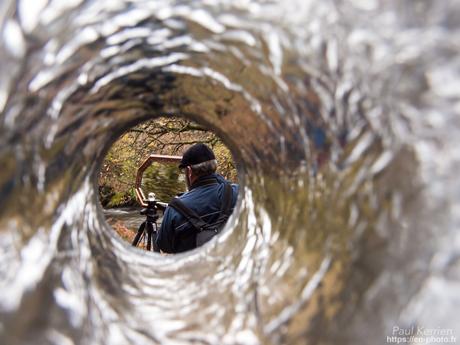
(204, 168)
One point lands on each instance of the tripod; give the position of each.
(147, 232)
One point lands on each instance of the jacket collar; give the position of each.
(204, 181)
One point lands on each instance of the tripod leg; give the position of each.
(155, 234)
(139, 233)
(149, 235)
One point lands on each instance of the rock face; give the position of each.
(342, 117)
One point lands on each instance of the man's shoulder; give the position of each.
(235, 185)
(187, 196)
(188, 199)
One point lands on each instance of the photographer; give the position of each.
(198, 214)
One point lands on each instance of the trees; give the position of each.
(164, 135)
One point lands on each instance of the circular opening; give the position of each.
(168, 185)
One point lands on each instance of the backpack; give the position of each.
(204, 230)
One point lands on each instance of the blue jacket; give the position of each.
(176, 234)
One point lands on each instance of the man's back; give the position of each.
(205, 198)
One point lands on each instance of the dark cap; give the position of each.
(196, 154)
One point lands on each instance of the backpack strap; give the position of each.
(192, 217)
(226, 206)
(195, 220)
(227, 203)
